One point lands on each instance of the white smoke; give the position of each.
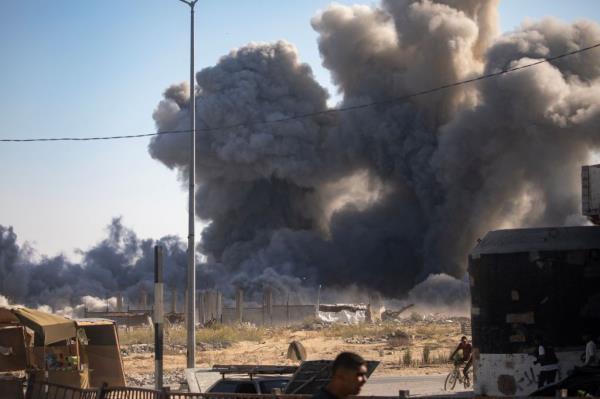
(90, 303)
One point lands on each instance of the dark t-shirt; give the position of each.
(323, 393)
(466, 350)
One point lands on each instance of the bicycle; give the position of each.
(456, 375)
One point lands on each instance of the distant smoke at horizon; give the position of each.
(386, 199)
(123, 264)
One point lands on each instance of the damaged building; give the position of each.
(528, 282)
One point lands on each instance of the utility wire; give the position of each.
(318, 113)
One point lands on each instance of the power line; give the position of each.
(318, 113)
(131, 136)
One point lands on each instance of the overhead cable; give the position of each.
(317, 113)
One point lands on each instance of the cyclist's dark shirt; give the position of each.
(466, 350)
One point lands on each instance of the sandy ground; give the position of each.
(272, 349)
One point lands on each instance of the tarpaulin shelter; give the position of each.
(57, 349)
(103, 353)
(49, 328)
(13, 355)
(7, 317)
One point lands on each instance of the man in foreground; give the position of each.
(348, 375)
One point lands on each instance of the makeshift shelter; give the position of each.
(48, 328)
(103, 353)
(57, 349)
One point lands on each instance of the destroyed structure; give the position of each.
(528, 282)
(213, 309)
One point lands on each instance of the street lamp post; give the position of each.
(191, 265)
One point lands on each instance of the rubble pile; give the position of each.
(398, 338)
(365, 340)
(136, 349)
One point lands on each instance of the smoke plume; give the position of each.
(387, 198)
(119, 264)
(384, 196)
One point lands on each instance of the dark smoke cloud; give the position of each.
(121, 263)
(516, 158)
(385, 196)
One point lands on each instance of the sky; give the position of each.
(99, 68)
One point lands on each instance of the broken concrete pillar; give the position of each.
(239, 304)
(219, 306)
(173, 300)
(143, 298)
(213, 305)
(267, 308)
(119, 302)
(202, 311)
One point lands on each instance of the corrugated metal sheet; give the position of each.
(590, 190)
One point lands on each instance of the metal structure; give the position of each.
(590, 192)
(191, 266)
(525, 283)
(159, 316)
(253, 369)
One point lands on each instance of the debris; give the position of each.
(398, 338)
(296, 351)
(394, 315)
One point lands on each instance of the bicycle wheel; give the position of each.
(450, 382)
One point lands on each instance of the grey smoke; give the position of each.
(389, 198)
(120, 263)
(441, 293)
(385, 196)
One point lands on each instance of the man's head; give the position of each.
(348, 374)
(463, 339)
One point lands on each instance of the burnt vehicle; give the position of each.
(527, 283)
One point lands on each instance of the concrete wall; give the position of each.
(131, 319)
(281, 315)
(209, 306)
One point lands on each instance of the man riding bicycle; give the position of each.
(467, 355)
